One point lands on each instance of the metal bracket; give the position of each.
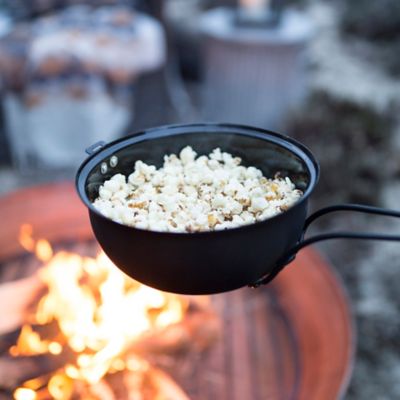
(95, 147)
(280, 265)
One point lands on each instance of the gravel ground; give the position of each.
(371, 271)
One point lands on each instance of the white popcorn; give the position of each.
(192, 179)
(119, 196)
(258, 204)
(187, 155)
(219, 201)
(190, 191)
(154, 207)
(214, 164)
(112, 185)
(235, 208)
(207, 178)
(269, 212)
(231, 161)
(104, 207)
(169, 189)
(127, 217)
(222, 226)
(253, 173)
(233, 187)
(118, 178)
(216, 154)
(171, 206)
(156, 180)
(161, 226)
(136, 179)
(189, 194)
(237, 220)
(201, 220)
(144, 225)
(104, 193)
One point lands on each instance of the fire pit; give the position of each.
(284, 341)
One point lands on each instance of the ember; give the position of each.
(99, 322)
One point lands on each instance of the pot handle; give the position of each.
(291, 254)
(95, 147)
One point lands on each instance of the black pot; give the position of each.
(217, 261)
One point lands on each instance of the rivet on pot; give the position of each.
(104, 168)
(113, 161)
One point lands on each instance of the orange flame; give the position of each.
(25, 394)
(41, 248)
(25, 237)
(100, 313)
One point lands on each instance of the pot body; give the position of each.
(202, 262)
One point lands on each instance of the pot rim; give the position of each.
(288, 143)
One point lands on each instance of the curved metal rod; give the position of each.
(350, 207)
(291, 254)
(342, 235)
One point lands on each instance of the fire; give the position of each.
(25, 394)
(41, 248)
(99, 311)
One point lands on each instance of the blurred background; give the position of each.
(325, 72)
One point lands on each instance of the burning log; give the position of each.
(8, 340)
(98, 391)
(17, 370)
(15, 298)
(146, 384)
(198, 331)
(160, 386)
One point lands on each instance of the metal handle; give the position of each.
(350, 207)
(346, 235)
(95, 147)
(291, 254)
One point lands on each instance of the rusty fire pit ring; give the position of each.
(316, 345)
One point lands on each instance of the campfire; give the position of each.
(271, 343)
(93, 333)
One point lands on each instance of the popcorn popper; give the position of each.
(212, 261)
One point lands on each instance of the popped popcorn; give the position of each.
(194, 194)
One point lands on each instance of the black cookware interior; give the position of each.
(269, 156)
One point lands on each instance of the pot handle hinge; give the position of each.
(279, 266)
(94, 148)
